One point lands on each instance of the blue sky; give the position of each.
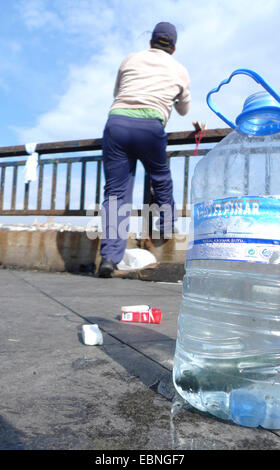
(59, 59)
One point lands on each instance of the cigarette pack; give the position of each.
(151, 315)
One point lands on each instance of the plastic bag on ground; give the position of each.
(136, 258)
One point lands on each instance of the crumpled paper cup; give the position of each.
(92, 335)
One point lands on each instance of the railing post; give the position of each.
(98, 183)
(26, 196)
(2, 185)
(147, 216)
(14, 187)
(40, 185)
(186, 185)
(53, 193)
(83, 184)
(67, 190)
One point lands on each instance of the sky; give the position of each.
(59, 60)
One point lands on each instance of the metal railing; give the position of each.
(78, 146)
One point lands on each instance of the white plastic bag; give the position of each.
(136, 258)
(30, 169)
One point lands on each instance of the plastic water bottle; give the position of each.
(227, 358)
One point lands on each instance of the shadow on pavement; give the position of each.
(10, 437)
(129, 352)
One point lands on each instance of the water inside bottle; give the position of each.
(227, 352)
(227, 358)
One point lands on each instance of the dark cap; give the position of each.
(164, 34)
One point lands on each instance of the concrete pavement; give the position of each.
(59, 394)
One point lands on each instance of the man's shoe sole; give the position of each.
(106, 272)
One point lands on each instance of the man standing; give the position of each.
(148, 84)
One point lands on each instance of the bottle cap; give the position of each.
(260, 115)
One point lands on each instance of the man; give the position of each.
(148, 84)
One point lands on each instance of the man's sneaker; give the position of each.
(106, 268)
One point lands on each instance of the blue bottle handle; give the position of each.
(251, 74)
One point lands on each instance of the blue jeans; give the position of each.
(126, 139)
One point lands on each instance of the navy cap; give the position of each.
(164, 34)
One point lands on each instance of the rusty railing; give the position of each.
(78, 146)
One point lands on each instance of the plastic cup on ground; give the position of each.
(92, 335)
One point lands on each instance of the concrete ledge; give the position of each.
(60, 250)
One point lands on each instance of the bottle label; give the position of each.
(240, 229)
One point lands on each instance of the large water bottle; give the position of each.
(227, 358)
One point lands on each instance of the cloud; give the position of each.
(81, 111)
(85, 18)
(214, 38)
(36, 15)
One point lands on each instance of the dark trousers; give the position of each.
(125, 140)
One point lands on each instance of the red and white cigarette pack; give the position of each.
(141, 314)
